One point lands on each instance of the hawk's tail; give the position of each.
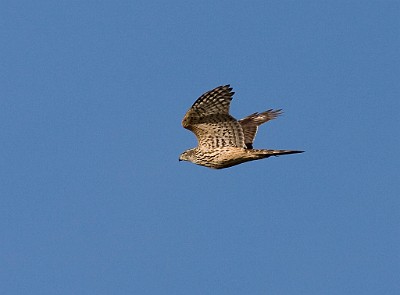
(260, 154)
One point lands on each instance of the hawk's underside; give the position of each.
(224, 141)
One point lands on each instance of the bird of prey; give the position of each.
(224, 141)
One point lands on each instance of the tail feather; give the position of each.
(269, 153)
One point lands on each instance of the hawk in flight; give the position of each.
(224, 141)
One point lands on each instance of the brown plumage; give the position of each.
(224, 141)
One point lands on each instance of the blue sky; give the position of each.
(94, 200)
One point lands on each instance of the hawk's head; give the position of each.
(188, 156)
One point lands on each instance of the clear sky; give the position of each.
(94, 200)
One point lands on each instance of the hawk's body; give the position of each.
(224, 141)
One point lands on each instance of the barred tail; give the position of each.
(268, 153)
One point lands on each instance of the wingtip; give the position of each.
(229, 88)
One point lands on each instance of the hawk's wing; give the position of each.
(210, 121)
(250, 124)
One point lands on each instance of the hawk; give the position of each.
(224, 141)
